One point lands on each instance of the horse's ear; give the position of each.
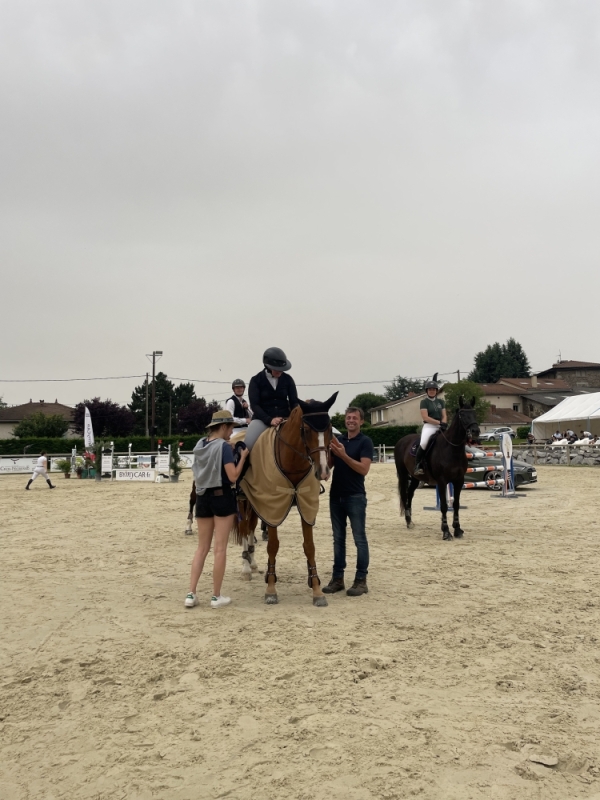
(435, 377)
(461, 401)
(473, 401)
(328, 403)
(306, 407)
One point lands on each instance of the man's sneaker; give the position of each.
(217, 602)
(357, 588)
(191, 600)
(334, 585)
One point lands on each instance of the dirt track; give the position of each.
(464, 660)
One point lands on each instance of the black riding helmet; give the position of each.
(238, 382)
(432, 384)
(275, 358)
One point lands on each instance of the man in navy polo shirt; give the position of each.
(351, 458)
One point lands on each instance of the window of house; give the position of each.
(515, 406)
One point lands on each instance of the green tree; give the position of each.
(367, 401)
(401, 387)
(468, 390)
(2, 403)
(339, 421)
(169, 399)
(41, 425)
(500, 361)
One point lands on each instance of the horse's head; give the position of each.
(316, 433)
(467, 417)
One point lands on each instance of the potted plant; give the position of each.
(176, 467)
(64, 466)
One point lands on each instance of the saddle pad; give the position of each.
(270, 493)
(416, 443)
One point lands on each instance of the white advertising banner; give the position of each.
(162, 462)
(187, 460)
(106, 464)
(16, 465)
(135, 475)
(88, 431)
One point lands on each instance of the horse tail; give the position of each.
(403, 477)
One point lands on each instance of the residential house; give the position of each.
(578, 374)
(12, 415)
(405, 411)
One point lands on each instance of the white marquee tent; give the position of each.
(581, 412)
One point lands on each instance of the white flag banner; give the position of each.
(88, 431)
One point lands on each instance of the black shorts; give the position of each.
(211, 504)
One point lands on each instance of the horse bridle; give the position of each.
(308, 454)
(466, 428)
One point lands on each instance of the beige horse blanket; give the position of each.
(270, 493)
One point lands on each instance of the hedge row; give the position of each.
(141, 444)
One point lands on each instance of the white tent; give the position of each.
(581, 412)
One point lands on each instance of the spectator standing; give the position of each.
(351, 457)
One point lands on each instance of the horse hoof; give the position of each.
(246, 576)
(458, 534)
(447, 537)
(410, 525)
(321, 602)
(271, 599)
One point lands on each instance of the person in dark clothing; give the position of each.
(272, 394)
(238, 406)
(351, 458)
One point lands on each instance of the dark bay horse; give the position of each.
(445, 463)
(301, 445)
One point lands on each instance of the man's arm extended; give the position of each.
(362, 467)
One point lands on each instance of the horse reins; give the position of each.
(466, 430)
(309, 453)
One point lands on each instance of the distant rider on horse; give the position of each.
(272, 394)
(433, 412)
(238, 406)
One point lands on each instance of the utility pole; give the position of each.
(147, 429)
(458, 373)
(155, 353)
(170, 412)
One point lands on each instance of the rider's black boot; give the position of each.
(419, 458)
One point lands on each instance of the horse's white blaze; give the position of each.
(323, 457)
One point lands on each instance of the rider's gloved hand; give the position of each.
(443, 426)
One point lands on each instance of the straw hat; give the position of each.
(220, 418)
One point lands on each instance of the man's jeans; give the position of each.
(353, 508)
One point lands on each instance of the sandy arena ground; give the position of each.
(464, 661)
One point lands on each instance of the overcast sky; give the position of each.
(379, 188)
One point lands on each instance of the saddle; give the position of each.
(414, 446)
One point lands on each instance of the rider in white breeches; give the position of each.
(433, 412)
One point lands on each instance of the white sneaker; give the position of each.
(191, 600)
(219, 601)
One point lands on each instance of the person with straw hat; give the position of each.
(214, 471)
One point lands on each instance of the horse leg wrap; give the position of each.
(245, 556)
(270, 572)
(251, 550)
(312, 573)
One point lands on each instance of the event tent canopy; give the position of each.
(580, 411)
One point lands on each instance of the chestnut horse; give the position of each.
(301, 444)
(445, 462)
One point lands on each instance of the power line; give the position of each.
(201, 380)
(68, 380)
